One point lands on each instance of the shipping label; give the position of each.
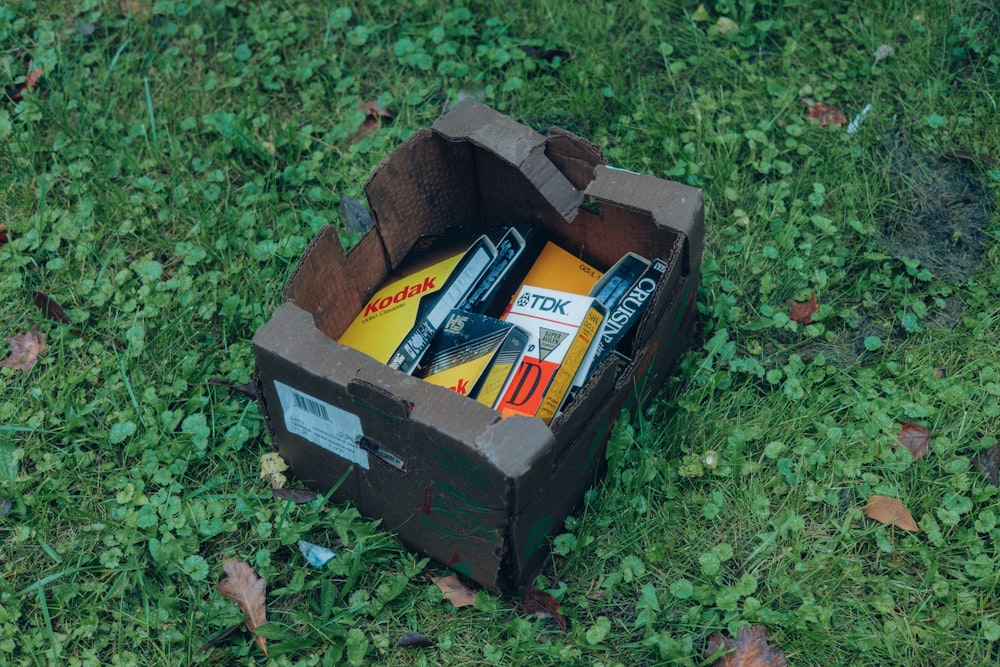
(332, 428)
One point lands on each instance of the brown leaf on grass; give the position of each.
(413, 640)
(25, 349)
(455, 591)
(915, 438)
(245, 588)
(297, 496)
(890, 511)
(803, 312)
(373, 108)
(988, 463)
(826, 114)
(375, 115)
(748, 649)
(50, 308)
(3, 232)
(55, 312)
(28, 83)
(542, 605)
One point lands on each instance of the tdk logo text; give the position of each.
(547, 304)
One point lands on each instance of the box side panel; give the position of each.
(423, 187)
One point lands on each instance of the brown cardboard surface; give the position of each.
(477, 493)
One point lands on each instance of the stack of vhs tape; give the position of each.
(504, 317)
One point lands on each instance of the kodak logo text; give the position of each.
(402, 295)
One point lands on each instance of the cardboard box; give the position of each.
(476, 492)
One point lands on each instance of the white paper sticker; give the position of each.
(320, 423)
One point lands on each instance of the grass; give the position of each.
(175, 158)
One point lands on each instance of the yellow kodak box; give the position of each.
(393, 311)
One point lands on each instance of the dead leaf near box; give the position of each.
(826, 114)
(375, 115)
(455, 591)
(542, 605)
(246, 589)
(748, 649)
(272, 467)
(988, 463)
(803, 312)
(915, 438)
(413, 640)
(25, 349)
(890, 511)
(30, 81)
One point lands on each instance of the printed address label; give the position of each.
(332, 428)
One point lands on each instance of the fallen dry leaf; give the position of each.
(455, 591)
(803, 312)
(55, 312)
(726, 25)
(245, 588)
(748, 649)
(413, 640)
(826, 114)
(28, 83)
(549, 55)
(25, 349)
(375, 114)
(219, 638)
(271, 467)
(915, 438)
(50, 308)
(890, 511)
(542, 605)
(988, 463)
(970, 156)
(3, 232)
(883, 52)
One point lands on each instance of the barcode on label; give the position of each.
(312, 407)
